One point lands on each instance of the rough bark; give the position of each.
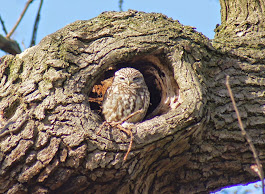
(189, 142)
(242, 30)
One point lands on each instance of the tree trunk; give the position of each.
(189, 142)
(242, 30)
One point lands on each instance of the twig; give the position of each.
(34, 34)
(120, 5)
(131, 115)
(119, 126)
(23, 44)
(245, 134)
(114, 124)
(19, 19)
(129, 132)
(3, 25)
(129, 148)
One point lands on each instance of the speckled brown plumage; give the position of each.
(127, 94)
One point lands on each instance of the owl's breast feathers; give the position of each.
(123, 99)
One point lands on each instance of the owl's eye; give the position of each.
(136, 79)
(122, 78)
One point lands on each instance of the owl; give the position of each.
(127, 94)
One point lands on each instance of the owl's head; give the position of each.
(130, 77)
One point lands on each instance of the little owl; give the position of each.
(127, 94)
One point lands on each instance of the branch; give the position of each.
(9, 46)
(3, 25)
(34, 34)
(19, 19)
(120, 5)
(245, 134)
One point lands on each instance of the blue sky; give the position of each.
(55, 14)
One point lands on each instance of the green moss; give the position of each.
(72, 69)
(14, 67)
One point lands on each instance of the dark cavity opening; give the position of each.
(157, 77)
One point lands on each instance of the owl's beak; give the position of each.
(129, 82)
